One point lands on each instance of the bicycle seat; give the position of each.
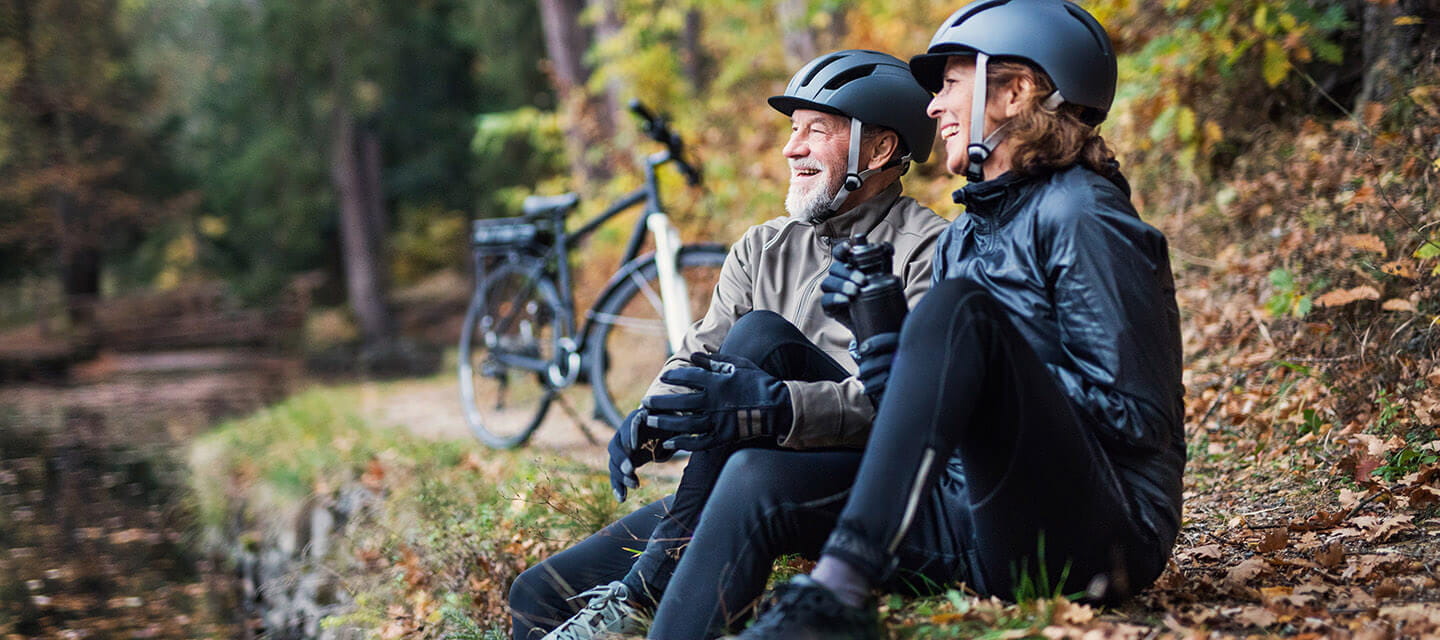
(542, 205)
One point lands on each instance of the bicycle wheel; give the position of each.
(509, 339)
(627, 342)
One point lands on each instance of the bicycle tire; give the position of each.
(503, 395)
(627, 342)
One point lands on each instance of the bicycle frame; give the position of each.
(556, 257)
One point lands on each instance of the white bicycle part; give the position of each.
(674, 296)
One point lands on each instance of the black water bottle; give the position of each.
(880, 305)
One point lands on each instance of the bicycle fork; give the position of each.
(674, 295)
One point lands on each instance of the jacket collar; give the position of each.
(863, 217)
(990, 198)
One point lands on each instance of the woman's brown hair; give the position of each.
(1048, 139)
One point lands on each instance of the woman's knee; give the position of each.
(943, 305)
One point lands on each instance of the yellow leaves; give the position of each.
(1276, 64)
(1427, 97)
(1408, 21)
(1342, 297)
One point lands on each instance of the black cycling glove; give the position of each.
(839, 287)
(876, 357)
(733, 400)
(632, 446)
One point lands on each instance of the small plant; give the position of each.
(1287, 299)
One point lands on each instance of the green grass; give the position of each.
(452, 523)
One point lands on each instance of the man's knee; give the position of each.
(758, 334)
(532, 595)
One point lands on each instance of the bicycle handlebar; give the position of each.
(658, 129)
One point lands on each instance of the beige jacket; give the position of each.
(778, 266)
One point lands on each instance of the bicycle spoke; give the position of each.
(648, 291)
(643, 325)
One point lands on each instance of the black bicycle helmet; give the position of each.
(868, 87)
(1058, 36)
(872, 87)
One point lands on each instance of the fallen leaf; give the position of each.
(1342, 297)
(1331, 556)
(1256, 617)
(1067, 612)
(1274, 540)
(1398, 304)
(1206, 552)
(1244, 572)
(1400, 268)
(1433, 377)
(1365, 242)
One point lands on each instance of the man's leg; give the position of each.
(765, 504)
(541, 597)
(778, 347)
(966, 382)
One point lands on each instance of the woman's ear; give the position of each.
(884, 146)
(1015, 94)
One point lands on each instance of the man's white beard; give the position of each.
(815, 203)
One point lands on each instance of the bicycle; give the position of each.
(519, 346)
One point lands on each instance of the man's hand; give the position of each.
(733, 400)
(876, 357)
(632, 446)
(839, 287)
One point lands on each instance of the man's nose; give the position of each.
(795, 147)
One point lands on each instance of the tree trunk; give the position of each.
(588, 125)
(79, 264)
(798, 39)
(354, 171)
(692, 53)
(1391, 50)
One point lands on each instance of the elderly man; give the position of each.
(765, 367)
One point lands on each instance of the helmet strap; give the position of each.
(854, 178)
(980, 146)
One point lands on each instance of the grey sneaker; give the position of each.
(606, 613)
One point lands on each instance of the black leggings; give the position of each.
(976, 462)
(539, 598)
(1043, 498)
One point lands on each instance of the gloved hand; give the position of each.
(632, 446)
(839, 287)
(734, 400)
(876, 357)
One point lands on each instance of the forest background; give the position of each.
(1289, 148)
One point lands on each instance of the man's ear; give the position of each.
(883, 148)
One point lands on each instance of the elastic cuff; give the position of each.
(867, 558)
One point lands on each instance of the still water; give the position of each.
(96, 540)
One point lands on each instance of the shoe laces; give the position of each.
(606, 612)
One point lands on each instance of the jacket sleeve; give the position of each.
(839, 414)
(731, 299)
(1109, 276)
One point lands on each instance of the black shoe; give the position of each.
(804, 610)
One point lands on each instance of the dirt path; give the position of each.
(431, 408)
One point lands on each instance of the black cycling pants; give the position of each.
(539, 597)
(1042, 499)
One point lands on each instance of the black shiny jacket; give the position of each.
(1089, 286)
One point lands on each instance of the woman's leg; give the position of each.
(540, 598)
(779, 348)
(1037, 483)
(765, 504)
